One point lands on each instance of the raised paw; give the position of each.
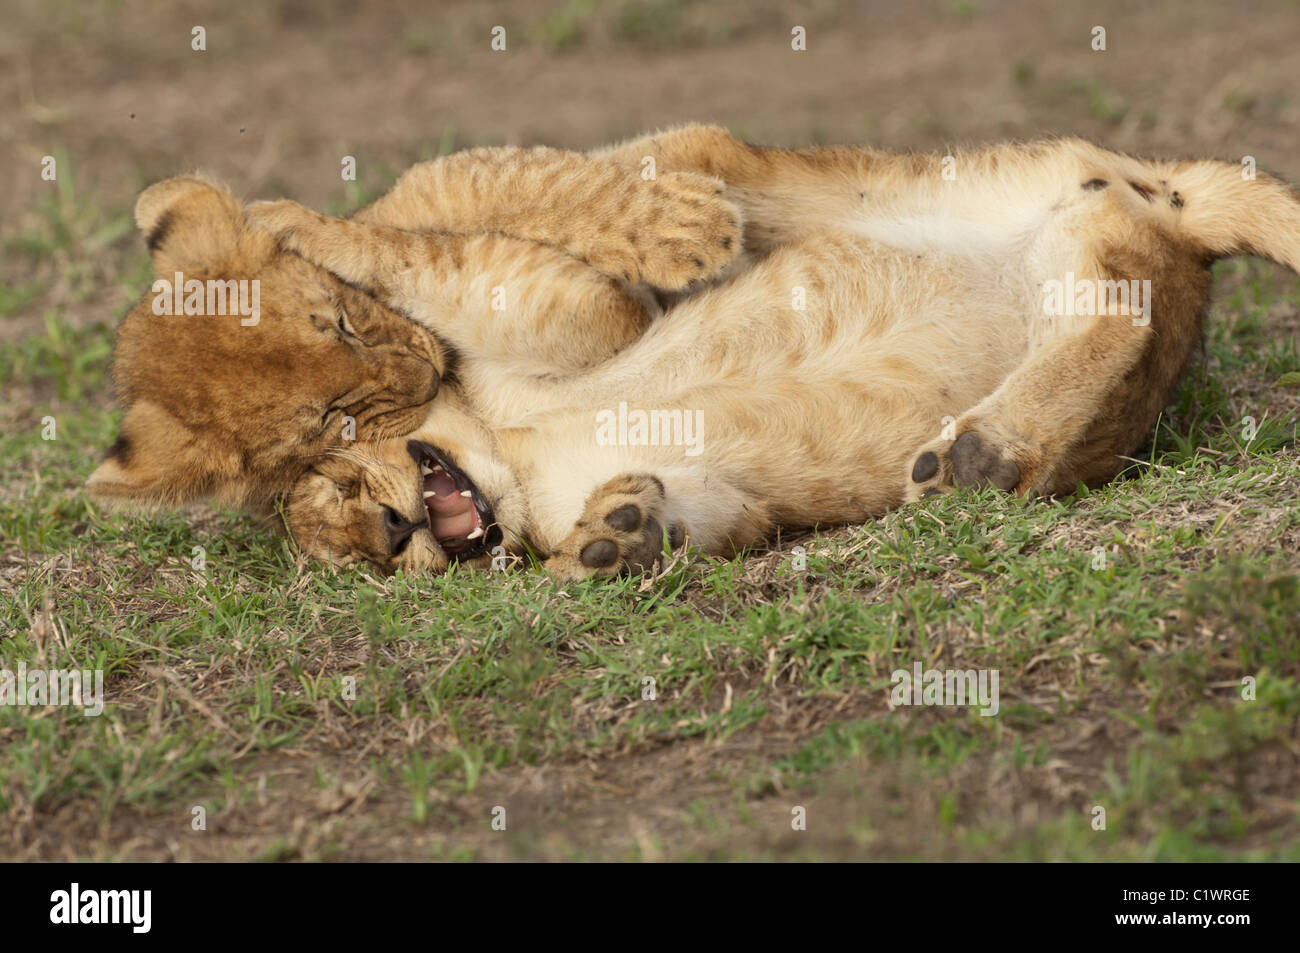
(284, 219)
(620, 530)
(971, 460)
(676, 231)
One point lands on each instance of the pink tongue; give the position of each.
(451, 516)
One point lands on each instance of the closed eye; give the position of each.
(330, 411)
(345, 326)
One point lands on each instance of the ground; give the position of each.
(318, 715)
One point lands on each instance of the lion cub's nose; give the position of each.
(399, 529)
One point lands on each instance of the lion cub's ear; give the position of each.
(192, 224)
(157, 461)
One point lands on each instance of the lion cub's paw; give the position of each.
(681, 231)
(282, 218)
(971, 460)
(620, 530)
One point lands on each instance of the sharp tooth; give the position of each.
(424, 470)
(429, 493)
(476, 534)
(466, 493)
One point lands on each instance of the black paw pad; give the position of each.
(976, 464)
(926, 466)
(625, 518)
(600, 554)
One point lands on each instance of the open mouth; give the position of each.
(460, 519)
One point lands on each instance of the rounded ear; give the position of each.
(315, 516)
(341, 474)
(157, 461)
(154, 201)
(190, 224)
(313, 491)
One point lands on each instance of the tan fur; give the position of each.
(923, 303)
(206, 410)
(216, 408)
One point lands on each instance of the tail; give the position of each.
(1233, 210)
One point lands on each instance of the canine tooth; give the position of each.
(424, 470)
(476, 534)
(466, 493)
(429, 493)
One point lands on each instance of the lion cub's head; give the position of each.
(400, 504)
(444, 493)
(244, 363)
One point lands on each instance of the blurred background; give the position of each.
(115, 92)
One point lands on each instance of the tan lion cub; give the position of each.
(904, 332)
(520, 265)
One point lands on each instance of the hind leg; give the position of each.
(1091, 386)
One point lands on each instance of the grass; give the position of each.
(315, 715)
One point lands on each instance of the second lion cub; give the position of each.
(894, 338)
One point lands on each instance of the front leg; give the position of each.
(669, 232)
(768, 185)
(491, 296)
(621, 530)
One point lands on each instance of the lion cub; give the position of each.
(532, 262)
(901, 332)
